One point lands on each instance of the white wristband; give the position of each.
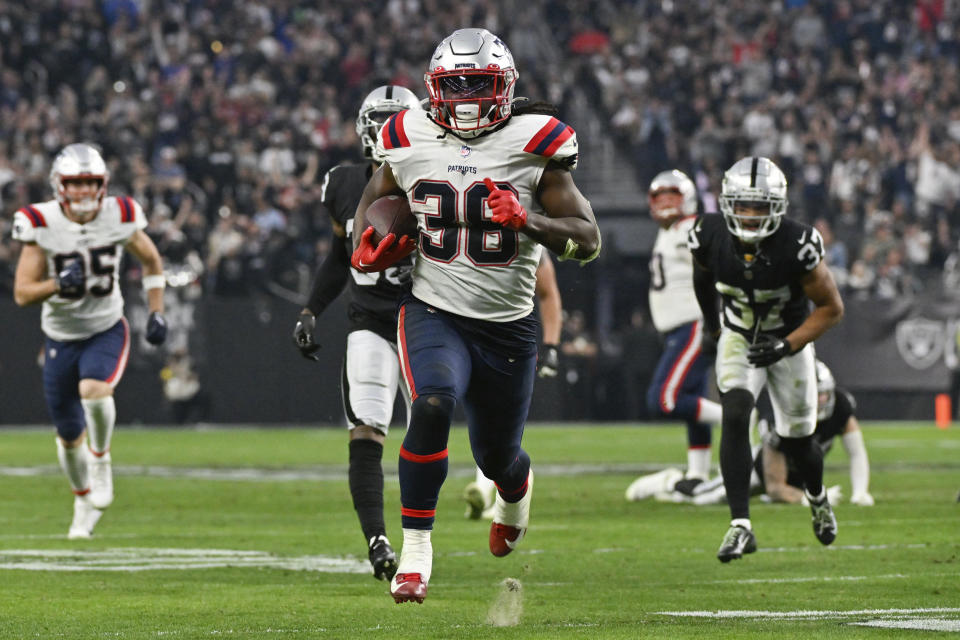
(154, 282)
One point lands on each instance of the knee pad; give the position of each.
(737, 405)
(430, 415)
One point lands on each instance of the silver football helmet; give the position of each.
(471, 80)
(79, 160)
(674, 181)
(379, 105)
(753, 180)
(826, 391)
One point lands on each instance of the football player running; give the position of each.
(70, 261)
(490, 187)
(767, 269)
(371, 368)
(679, 385)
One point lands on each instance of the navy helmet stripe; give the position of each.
(545, 143)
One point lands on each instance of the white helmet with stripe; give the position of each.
(676, 182)
(79, 161)
(379, 105)
(754, 181)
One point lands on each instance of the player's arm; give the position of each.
(775, 477)
(705, 289)
(31, 283)
(143, 249)
(820, 288)
(853, 444)
(328, 283)
(569, 228)
(551, 317)
(381, 183)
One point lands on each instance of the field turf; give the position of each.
(250, 533)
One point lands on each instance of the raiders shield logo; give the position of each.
(920, 341)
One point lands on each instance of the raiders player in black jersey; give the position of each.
(766, 268)
(371, 369)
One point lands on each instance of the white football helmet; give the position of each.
(753, 180)
(826, 391)
(471, 80)
(79, 160)
(379, 105)
(674, 181)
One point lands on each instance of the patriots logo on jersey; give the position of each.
(465, 150)
(462, 169)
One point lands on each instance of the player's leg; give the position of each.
(479, 496)
(496, 406)
(60, 386)
(793, 394)
(371, 373)
(101, 366)
(678, 390)
(739, 383)
(435, 366)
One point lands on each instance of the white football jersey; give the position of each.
(99, 244)
(672, 299)
(468, 264)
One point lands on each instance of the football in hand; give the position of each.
(391, 214)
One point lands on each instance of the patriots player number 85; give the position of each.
(102, 262)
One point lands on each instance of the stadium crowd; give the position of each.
(221, 117)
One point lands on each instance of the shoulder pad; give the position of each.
(33, 214)
(556, 140)
(26, 221)
(393, 135)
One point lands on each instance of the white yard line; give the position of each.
(807, 614)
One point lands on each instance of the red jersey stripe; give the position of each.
(36, 218)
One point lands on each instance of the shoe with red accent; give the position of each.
(408, 587)
(510, 520)
(409, 584)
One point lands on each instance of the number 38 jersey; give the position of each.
(760, 292)
(98, 245)
(468, 264)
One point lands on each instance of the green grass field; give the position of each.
(246, 533)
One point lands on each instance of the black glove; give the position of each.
(303, 336)
(548, 364)
(156, 328)
(708, 342)
(767, 350)
(71, 281)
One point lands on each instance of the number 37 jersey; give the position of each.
(763, 292)
(98, 245)
(468, 264)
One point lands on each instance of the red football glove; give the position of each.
(367, 258)
(505, 207)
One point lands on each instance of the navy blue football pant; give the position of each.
(680, 380)
(102, 356)
(445, 359)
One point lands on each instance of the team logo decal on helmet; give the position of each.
(672, 182)
(471, 80)
(75, 162)
(753, 181)
(377, 107)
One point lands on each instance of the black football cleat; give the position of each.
(687, 485)
(738, 541)
(824, 521)
(383, 558)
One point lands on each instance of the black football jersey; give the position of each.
(761, 292)
(373, 296)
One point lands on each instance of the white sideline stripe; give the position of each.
(149, 559)
(920, 624)
(320, 472)
(804, 614)
(848, 547)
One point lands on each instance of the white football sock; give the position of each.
(741, 522)
(859, 463)
(698, 463)
(709, 411)
(487, 487)
(416, 555)
(101, 414)
(73, 461)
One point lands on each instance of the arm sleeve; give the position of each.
(330, 279)
(705, 290)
